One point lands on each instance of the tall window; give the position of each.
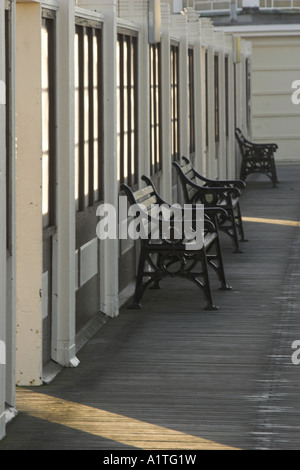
(227, 96)
(48, 120)
(127, 98)
(191, 90)
(206, 98)
(175, 102)
(155, 109)
(248, 93)
(8, 130)
(217, 105)
(88, 122)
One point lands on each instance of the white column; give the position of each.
(211, 157)
(29, 237)
(179, 28)
(63, 321)
(2, 224)
(194, 36)
(166, 103)
(207, 37)
(231, 171)
(109, 269)
(222, 122)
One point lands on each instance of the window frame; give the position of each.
(248, 92)
(175, 100)
(130, 72)
(206, 101)
(88, 195)
(48, 21)
(8, 130)
(191, 92)
(217, 97)
(155, 119)
(226, 84)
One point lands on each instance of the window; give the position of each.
(127, 99)
(227, 96)
(191, 90)
(155, 109)
(8, 130)
(216, 88)
(248, 94)
(48, 120)
(206, 98)
(88, 122)
(175, 102)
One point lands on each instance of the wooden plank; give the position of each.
(173, 376)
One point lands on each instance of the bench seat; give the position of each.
(169, 258)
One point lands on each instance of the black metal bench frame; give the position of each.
(257, 158)
(161, 258)
(215, 193)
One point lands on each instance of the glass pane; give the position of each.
(96, 117)
(86, 119)
(45, 126)
(119, 107)
(76, 68)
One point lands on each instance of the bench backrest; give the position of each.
(186, 173)
(246, 147)
(149, 199)
(242, 141)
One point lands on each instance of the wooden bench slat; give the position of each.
(140, 193)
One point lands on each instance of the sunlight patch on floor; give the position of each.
(106, 425)
(290, 223)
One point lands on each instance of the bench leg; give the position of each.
(139, 288)
(232, 231)
(274, 173)
(159, 273)
(240, 224)
(243, 174)
(219, 267)
(206, 284)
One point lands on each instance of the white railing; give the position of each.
(225, 5)
(282, 4)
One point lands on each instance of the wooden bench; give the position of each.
(257, 158)
(214, 193)
(162, 257)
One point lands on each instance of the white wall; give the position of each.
(276, 64)
(28, 194)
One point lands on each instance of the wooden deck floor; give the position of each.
(173, 376)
